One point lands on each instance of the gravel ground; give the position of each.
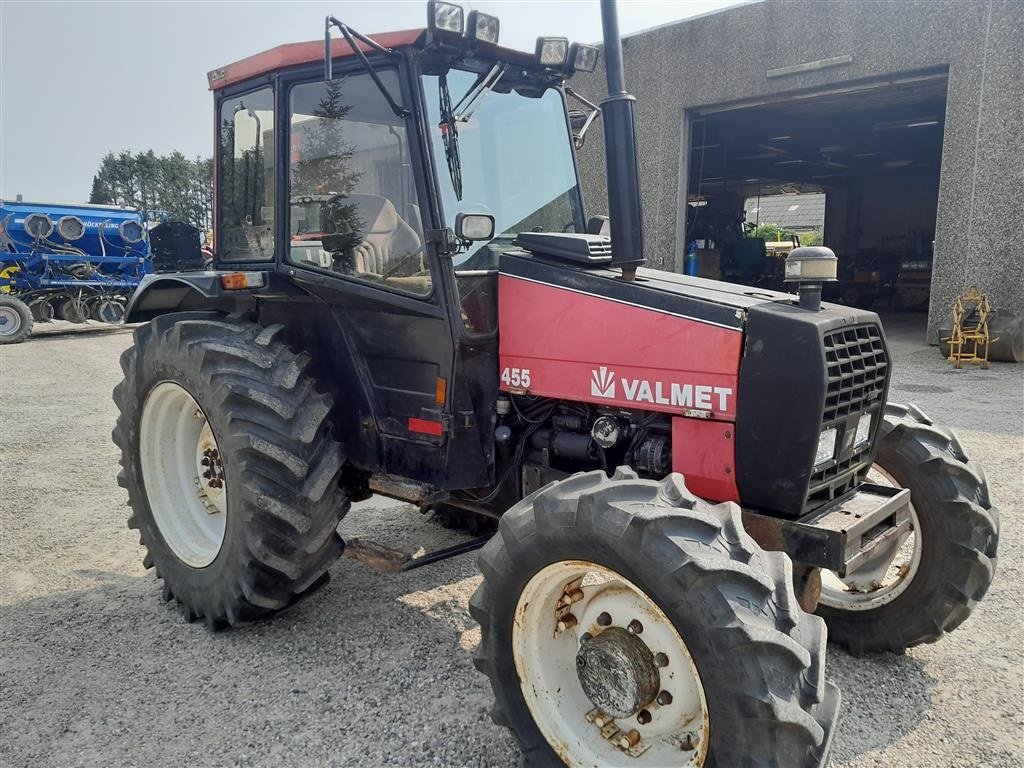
(375, 669)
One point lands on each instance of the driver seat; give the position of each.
(387, 239)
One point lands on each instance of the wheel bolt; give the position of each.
(604, 619)
(643, 717)
(635, 627)
(660, 660)
(206, 461)
(664, 698)
(207, 474)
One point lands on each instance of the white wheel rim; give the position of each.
(872, 587)
(544, 647)
(10, 321)
(189, 509)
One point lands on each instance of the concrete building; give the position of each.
(907, 114)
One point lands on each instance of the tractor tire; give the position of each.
(15, 320)
(955, 537)
(265, 430)
(755, 658)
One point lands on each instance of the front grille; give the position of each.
(857, 366)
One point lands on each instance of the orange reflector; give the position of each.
(235, 281)
(442, 390)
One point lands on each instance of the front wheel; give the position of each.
(15, 320)
(230, 466)
(626, 622)
(929, 583)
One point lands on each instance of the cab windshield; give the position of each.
(516, 163)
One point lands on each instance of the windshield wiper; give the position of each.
(484, 84)
(349, 34)
(450, 135)
(460, 113)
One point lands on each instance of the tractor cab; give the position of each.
(382, 178)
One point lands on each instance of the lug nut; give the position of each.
(206, 461)
(643, 717)
(566, 622)
(604, 619)
(629, 739)
(635, 627)
(207, 474)
(664, 698)
(660, 660)
(690, 741)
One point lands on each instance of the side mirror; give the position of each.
(599, 225)
(474, 226)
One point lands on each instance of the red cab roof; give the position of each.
(292, 54)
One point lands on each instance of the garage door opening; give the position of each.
(855, 168)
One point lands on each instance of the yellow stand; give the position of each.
(970, 340)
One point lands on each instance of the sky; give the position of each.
(80, 79)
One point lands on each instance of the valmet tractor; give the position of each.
(408, 300)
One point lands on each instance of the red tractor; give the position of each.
(409, 300)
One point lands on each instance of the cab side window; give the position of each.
(245, 177)
(353, 206)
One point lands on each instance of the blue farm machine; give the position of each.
(69, 262)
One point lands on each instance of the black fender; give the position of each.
(159, 294)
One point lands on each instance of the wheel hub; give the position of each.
(617, 672)
(9, 322)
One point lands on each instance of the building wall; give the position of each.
(724, 57)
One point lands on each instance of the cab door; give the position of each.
(357, 237)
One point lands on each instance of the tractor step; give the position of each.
(839, 536)
(393, 560)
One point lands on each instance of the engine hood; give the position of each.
(711, 301)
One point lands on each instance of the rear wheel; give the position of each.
(626, 622)
(928, 583)
(15, 320)
(230, 466)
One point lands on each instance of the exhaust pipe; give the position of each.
(624, 207)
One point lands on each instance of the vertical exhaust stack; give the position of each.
(624, 207)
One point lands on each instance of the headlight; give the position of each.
(552, 51)
(826, 447)
(863, 430)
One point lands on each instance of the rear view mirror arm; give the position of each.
(595, 110)
(351, 36)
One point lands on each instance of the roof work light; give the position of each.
(446, 17)
(482, 28)
(552, 51)
(583, 57)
